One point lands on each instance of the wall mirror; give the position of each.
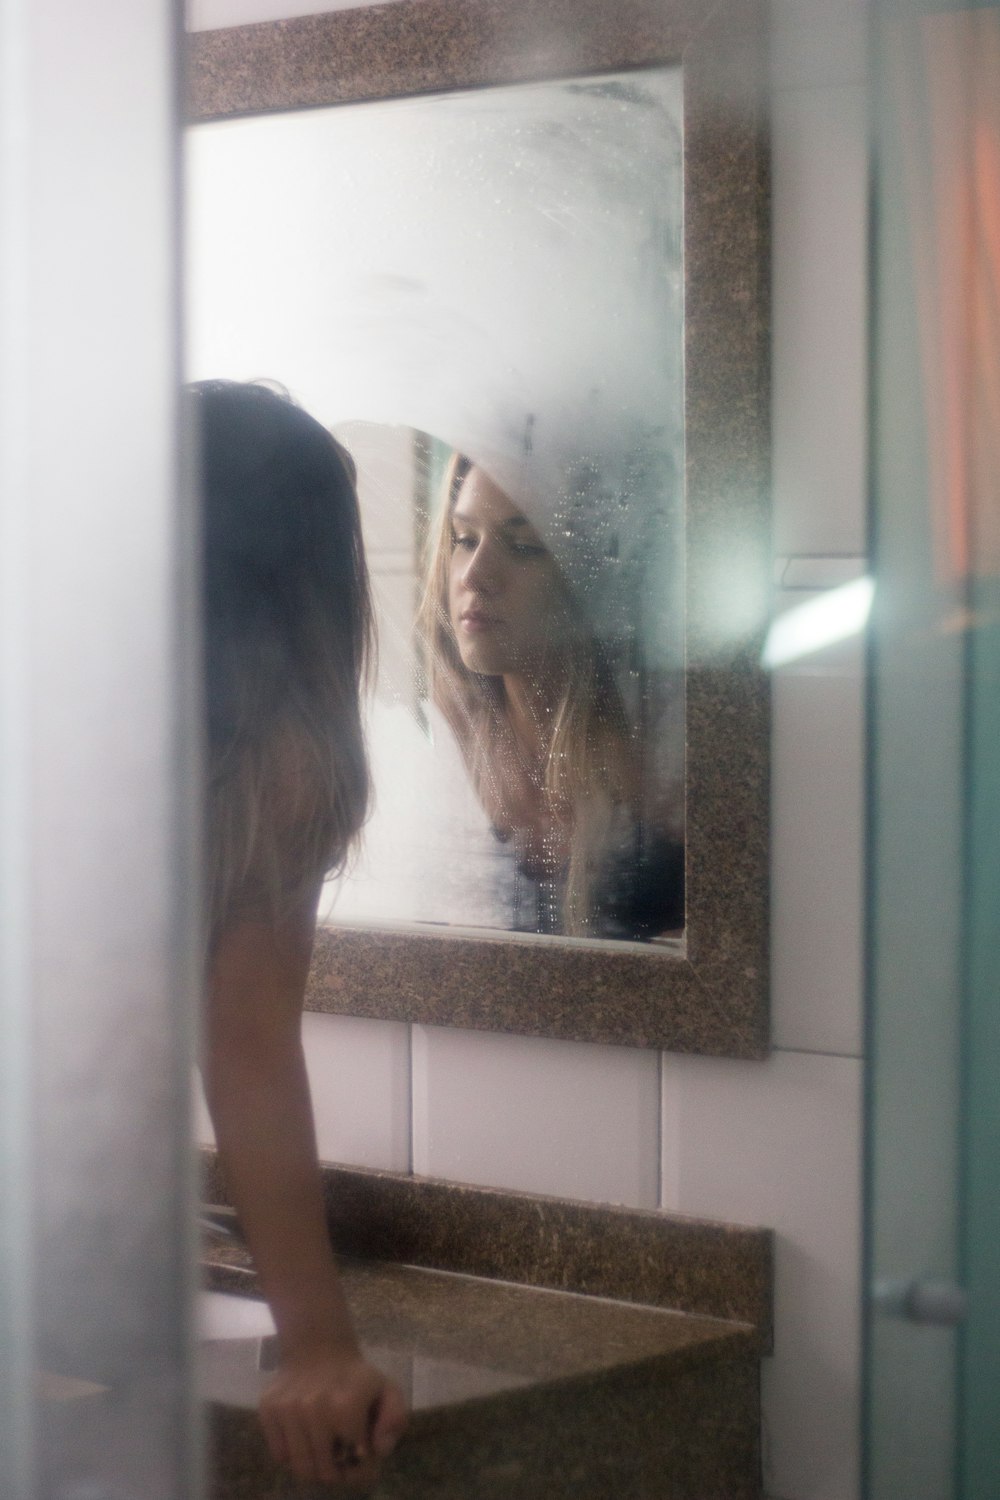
(515, 256)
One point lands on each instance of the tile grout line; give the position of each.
(659, 1129)
(411, 1097)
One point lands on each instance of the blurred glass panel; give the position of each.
(934, 1133)
(99, 808)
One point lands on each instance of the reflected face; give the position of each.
(507, 601)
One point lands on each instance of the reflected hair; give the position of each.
(287, 639)
(589, 770)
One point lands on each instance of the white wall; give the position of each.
(775, 1143)
(206, 15)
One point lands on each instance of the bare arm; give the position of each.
(325, 1393)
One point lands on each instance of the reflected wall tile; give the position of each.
(562, 1118)
(817, 848)
(359, 1074)
(819, 299)
(779, 1143)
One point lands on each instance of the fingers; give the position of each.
(306, 1438)
(333, 1434)
(274, 1433)
(390, 1420)
(287, 1439)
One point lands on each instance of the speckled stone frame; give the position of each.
(709, 992)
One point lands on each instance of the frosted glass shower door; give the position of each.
(932, 1401)
(97, 732)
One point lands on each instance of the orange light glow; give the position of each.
(949, 110)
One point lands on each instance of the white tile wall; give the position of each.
(818, 42)
(778, 1143)
(818, 355)
(545, 1116)
(817, 779)
(204, 1135)
(206, 15)
(359, 1074)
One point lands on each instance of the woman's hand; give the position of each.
(331, 1417)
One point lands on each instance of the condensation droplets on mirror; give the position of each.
(487, 274)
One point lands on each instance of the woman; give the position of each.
(535, 707)
(287, 635)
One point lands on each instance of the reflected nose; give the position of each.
(481, 574)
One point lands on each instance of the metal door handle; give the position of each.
(939, 1304)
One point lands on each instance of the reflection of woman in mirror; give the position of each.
(286, 638)
(534, 704)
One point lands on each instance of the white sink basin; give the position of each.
(236, 1348)
(223, 1316)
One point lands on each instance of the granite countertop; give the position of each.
(448, 1338)
(514, 1392)
(548, 1349)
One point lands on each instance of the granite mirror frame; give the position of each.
(710, 993)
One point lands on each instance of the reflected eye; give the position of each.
(465, 540)
(528, 549)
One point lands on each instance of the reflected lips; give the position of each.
(473, 620)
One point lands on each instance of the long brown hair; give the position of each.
(590, 762)
(287, 638)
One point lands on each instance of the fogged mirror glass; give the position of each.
(482, 295)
